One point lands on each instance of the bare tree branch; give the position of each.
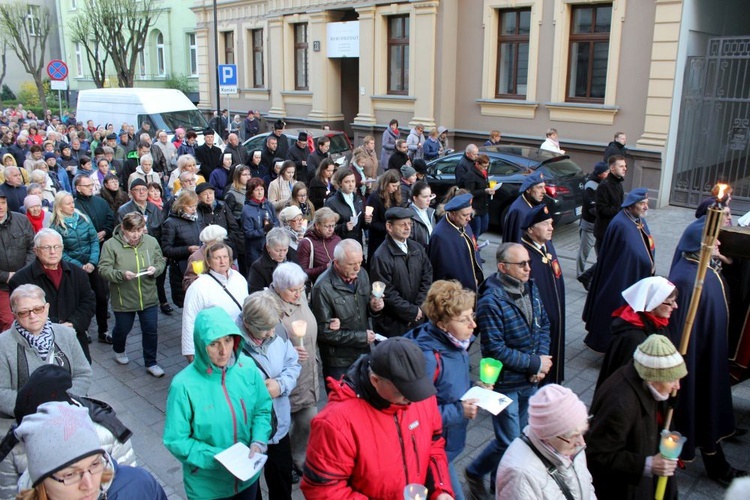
(88, 35)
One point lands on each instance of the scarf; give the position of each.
(637, 319)
(71, 222)
(190, 217)
(461, 344)
(424, 217)
(41, 343)
(349, 200)
(36, 222)
(518, 294)
(159, 203)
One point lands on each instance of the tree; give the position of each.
(89, 35)
(122, 27)
(26, 29)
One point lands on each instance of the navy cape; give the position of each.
(517, 213)
(626, 256)
(704, 414)
(547, 274)
(453, 255)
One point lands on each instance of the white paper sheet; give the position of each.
(237, 460)
(492, 401)
(380, 338)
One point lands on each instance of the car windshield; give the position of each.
(563, 168)
(339, 144)
(189, 119)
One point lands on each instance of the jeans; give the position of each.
(149, 339)
(508, 425)
(587, 242)
(458, 492)
(299, 434)
(479, 224)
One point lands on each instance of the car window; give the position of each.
(255, 143)
(446, 165)
(339, 144)
(501, 167)
(563, 168)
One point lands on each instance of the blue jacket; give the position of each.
(431, 149)
(252, 217)
(508, 337)
(80, 242)
(133, 483)
(452, 382)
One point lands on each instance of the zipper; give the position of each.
(234, 417)
(403, 449)
(416, 453)
(437, 471)
(244, 410)
(138, 270)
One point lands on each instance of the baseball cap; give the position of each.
(401, 361)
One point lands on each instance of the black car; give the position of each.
(564, 180)
(341, 147)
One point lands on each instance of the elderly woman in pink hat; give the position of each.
(546, 460)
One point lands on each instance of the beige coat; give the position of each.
(306, 393)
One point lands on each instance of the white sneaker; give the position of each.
(156, 371)
(122, 358)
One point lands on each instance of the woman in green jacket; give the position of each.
(131, 260)
(218, 400)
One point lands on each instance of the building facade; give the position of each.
(589, 68)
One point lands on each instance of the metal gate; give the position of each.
(713, 134)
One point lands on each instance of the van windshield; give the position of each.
(189, 119)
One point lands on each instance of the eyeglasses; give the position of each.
(76, 477)
(571, 439)
(672, 304)
(47, 248)
(467, 320)
(329, 226)
(521, 264)
(36, 310)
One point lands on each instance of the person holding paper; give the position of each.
(444, 342)
(225, 380)
(131, 260)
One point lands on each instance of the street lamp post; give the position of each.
(216, 59)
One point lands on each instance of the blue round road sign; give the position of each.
(57, 70)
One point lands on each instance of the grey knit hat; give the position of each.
(657, 360)
(55, 437)
(407, 171)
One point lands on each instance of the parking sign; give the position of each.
(227, 78)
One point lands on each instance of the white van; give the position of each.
(166, 109)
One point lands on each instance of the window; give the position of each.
(300, 56)
(257, 37)
(398, 55)
(160, 66)
(32, 20)
(73, 4)
(513, 53)
(228, 47)
(588, 53)
(142, 64)
(79, 60)
(193, 54)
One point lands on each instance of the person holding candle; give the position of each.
(383, 197)
(217, 286)
(302, 328)
(257, 219)
(131, 260)
(321, 184)
(348, 203)
(444, 341)
(553, 441)
(315, 250)
(180, 238)
(623, 439)
(477, 183)
(423, 219)
(514, 329)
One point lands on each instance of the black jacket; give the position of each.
(614, 148)
(317, 192)
(98, 211)
(337, 204)
(397, 160)
(73, 302)
(239, 154)
(589, 198)
(267, 158)
(282, 145)
(476, 183)
(299, 155)
(313, 162)
(208, 158)
(407, 278)
(609, 197)
(14, 194)
(261, 272)
(462, 168)
(177, 235)
(419, 231)
(221, 216)
(16, 245)
(154, 217)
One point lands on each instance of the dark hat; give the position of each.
(49, 155)
(635, 196)
(398, 213)
(539, 213)
(112, 136)
(601, 167)
(302, 136)
(64, 145)
(279, 125)
(204, 186)
(138, 182)
(420, 166)
(459, 203)
(531, 180)
(401, 361)
(690, 241)
(208, 131)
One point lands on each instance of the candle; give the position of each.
(489, 370)
(493, 184)
(378, 287)
(198, 267)
(670, 448)
(368, 210)
(415, 492)
(299, 329)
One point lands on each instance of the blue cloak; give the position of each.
(626, 256)
(453, 255)
(517, 213)
(547, 274)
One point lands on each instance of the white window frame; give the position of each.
(161, 63)
(79, 60)
(33, 13)
(142, 64)
(193, 54)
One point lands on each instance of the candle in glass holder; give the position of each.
(489, 370)
(378, 287)
(670, 447)
(415, 492)
(299, 329)
(492, 186)
(198, 267)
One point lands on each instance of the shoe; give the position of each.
(88, 337)
(477, 491)
(156, 371)
(585, 281)
(295, 477)
(122, 358)
(105, 338)
(167, 309)
(730, 475)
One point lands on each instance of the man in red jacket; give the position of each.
(380, 431)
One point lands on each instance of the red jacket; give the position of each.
(359, 452)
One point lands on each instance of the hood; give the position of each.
(211, 324)
(491, 282)
(413, 131)
(119, 236)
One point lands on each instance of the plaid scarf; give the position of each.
(41, 343)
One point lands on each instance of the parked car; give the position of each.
(564, 180)
(341, 147)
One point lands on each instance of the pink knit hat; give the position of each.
(555, 411)
(31, 200)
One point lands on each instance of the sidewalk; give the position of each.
(140, 399)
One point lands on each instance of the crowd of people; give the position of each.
(287, 268)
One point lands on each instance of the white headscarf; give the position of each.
(647, 294)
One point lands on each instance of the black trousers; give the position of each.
(101, 292)
(250, 493)
(278, 470)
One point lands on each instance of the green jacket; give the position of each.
(209, 409)
(117, 257)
